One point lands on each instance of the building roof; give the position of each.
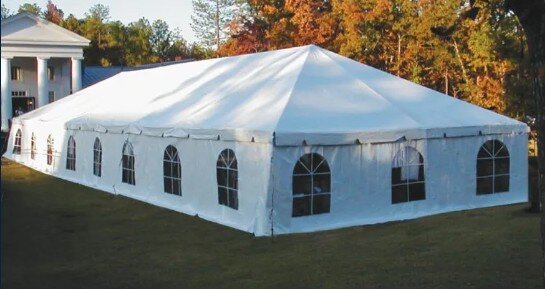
(27, 28)
(95, 74)
(288, 97)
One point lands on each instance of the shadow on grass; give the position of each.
(57, 234)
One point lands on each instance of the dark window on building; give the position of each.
(128, 164)
(311, 186)
(71, 154)
(16, 73)
(50, 144)
(97, 158)
(51, 96)
(33, 146)
(492, 168)
(408, 183)
(17, 144)
(50, 73)
(227, 176)
(172, 171)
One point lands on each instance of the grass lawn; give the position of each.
(56, 234)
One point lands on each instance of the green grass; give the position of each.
(56, 234)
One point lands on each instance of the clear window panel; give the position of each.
(321, 204)
(501, 184)
(222, 196)
(485, 185)
(501, 166)
(221, 175)
(233, 199)
(396, 176)
(485, 167)
(322, 183)
(302, 185)
(399, 194)
(301, 206)
(168, 185)
(417, 191)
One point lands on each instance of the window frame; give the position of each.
(404, 190)
(492, 158)
(71, 154)
(51, 96)
(50, 150)
(313, 199)
(226, 168)
(16, 73)
(50, 73)
(17, 143)
(33, 147)
(128, 172)
(172, 171)
(97, 158)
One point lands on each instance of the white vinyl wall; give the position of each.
(198, 159)
(361, 187)
(360, 177)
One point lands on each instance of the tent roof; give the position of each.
(303, 94)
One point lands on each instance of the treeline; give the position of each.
(114, 43)
(483, 59)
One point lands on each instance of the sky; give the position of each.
(177, 13)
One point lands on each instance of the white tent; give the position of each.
(294, 140)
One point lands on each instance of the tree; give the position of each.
(31, 8)
(161, 38)
(531, 14)
(53, 14)
(138, 48)
(5, 12)
(210, 20)
(95, 28)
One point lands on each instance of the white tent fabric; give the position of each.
(304, 93)
(271, 108)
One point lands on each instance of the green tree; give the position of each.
(138, 48)
(31, 8)
(211, 19)
(5, 12)
(161, 38)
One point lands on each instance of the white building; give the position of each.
(294, 140)
(41, 62)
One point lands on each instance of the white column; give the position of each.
(6, 93)
(76, 74)
(43, 82)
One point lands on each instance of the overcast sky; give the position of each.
(177, 13)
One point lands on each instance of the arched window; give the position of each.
(17, 144)
(50, 143)
(172, 171)
(33, 146)
(408, 183)
(492, 168)
(71, 154)
(97, 158)
(227, 176)
(128, 164)
(311, 186)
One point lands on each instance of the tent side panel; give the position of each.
(198, 162)
(361, 191)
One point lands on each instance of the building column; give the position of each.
(76, 74)
(43, 82)
(6, 93)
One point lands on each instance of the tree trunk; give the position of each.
(531, 15)
(459, 57)
(217, 25)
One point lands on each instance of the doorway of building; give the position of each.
(22, 105)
